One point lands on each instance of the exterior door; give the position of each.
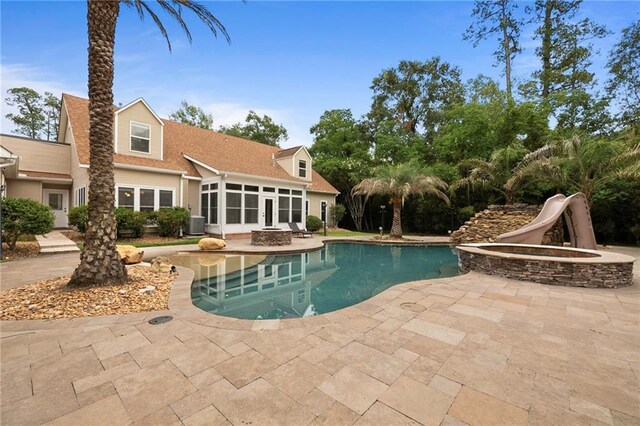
(268, 211)
(57, 199)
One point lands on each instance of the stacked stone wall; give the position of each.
(486, 225)
(545, 271)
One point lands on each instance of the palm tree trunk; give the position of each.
(100, 262)
(396, 228)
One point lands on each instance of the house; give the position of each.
(237, 185)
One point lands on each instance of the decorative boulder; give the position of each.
(130, 254)
(211, 244)
(161, 264)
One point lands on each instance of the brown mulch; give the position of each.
(50, 299)
(23, 250)
(74, 236)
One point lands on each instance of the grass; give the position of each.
(345, 233)
(180, 242)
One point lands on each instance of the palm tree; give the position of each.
(579, 165)
(398, 182)
(494, 173)
(99, 261)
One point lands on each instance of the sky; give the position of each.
(289, 60)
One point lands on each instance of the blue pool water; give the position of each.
(304, 284)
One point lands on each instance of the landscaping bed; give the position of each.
(23, 250)
(51, 299)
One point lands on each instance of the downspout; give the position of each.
(222, 213)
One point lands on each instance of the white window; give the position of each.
(81, 196)
(126, 197)
(234, 203)
(147, 200)
(140, 138)
(302, 168)
(209, 203)
(144, 199)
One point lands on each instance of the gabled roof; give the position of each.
(289, 152)
(140, 100)
(226, 153)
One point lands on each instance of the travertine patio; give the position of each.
(470, 349)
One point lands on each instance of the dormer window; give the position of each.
(140, 138)
(302, 168)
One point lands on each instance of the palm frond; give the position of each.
(174, 9)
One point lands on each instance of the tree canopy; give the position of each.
(259, 129)
(193, 116)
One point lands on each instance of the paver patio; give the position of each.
(484, 350)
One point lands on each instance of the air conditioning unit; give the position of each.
(196, 225)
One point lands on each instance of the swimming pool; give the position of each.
(305, 284)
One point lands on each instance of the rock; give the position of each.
(161, 264)
(130, 254)
(211, 244)
(148, 289)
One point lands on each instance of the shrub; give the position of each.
(21, 216)
(170, 221)
(313, 223)
(78, 218)
(130, 223)
(465, 213)
(336, 213)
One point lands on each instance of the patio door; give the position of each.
(57, 199)
(268, 211)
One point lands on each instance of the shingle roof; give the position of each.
(282, 153)
(222, 152)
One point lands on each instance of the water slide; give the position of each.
(577, 217)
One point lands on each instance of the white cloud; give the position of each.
(23, 75)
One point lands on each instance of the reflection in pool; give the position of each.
(304, 284)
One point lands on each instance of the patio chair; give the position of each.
(298, 230)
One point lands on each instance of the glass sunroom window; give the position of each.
(234, 207)
(251, 208)
(283, 209)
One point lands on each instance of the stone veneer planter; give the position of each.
(271, 237)
(548, 264)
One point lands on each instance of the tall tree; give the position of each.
(51, 110)
(100, 262)
(30, 119)
(259, 129)
(193, 116)
(564, 82)
(624, 84)
(398, 182)
(565, 47)
(340, 153)
(498, 17)
(415, 95)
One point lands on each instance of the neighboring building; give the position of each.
(236, 184)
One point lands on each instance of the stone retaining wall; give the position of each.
(272, 237)
(486, 225)
(545, 271)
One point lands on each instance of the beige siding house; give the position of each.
(237, 185)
